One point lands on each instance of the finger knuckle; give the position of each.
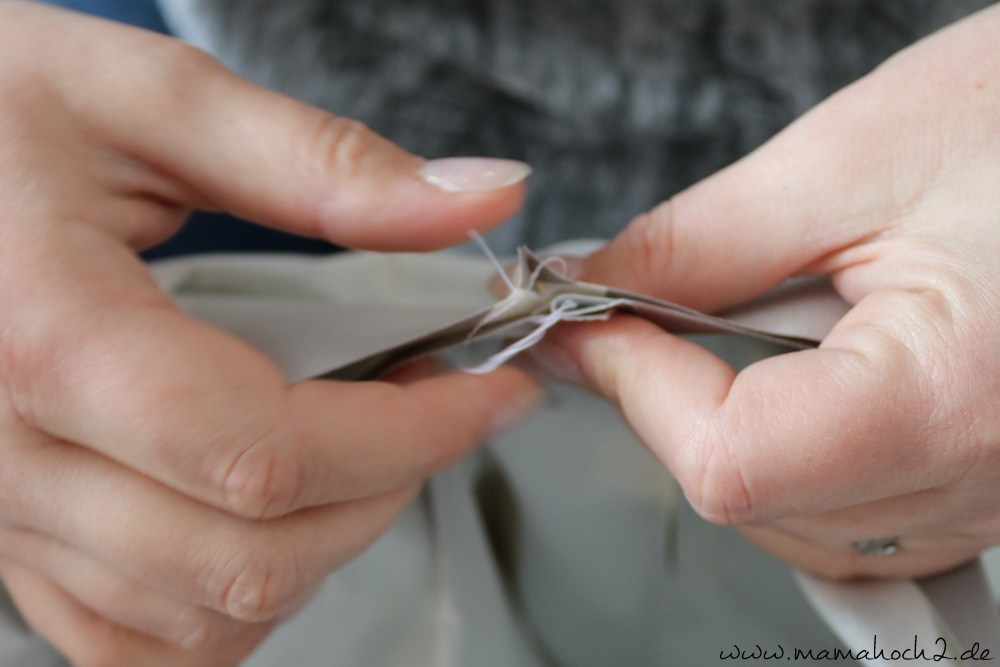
(261, 482)
(259, 580)
(715, 483)
(187, 59)
(343, 144)
(198, 631)
(175, 77)
(173, 65)
(651, 242)
(30, 366)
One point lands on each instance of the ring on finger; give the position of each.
(880, 546)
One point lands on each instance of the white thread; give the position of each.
(515, 348)
(514, 294)
(561, 261)
(478, 239)
(536, 274)
(562, 309)
(586, 307)
(517, 292)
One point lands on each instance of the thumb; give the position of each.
(228, 144)
(796, 205)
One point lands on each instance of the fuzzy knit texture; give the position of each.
(617, 104)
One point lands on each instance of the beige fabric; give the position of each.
(562, 544)
(578, 571)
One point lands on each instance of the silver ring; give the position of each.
(882, 546)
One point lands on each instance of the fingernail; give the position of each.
(470, 174)
(512, 414)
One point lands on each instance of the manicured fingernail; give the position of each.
(512, 414)
(470, 174)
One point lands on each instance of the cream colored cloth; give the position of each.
(565, 543)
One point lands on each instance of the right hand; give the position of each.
(164, 495)
(888, 431)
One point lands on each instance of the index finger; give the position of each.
(265, 157)
(206, 414)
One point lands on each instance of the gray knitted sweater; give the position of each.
(616, 103)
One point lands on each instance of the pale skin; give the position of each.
(165, 497)
(115, 408)
(891, 427)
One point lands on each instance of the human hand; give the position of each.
(890, 429)
(165, 498)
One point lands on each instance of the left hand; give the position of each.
(892, 427)
(166, 498)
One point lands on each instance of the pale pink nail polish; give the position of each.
(465, 174)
